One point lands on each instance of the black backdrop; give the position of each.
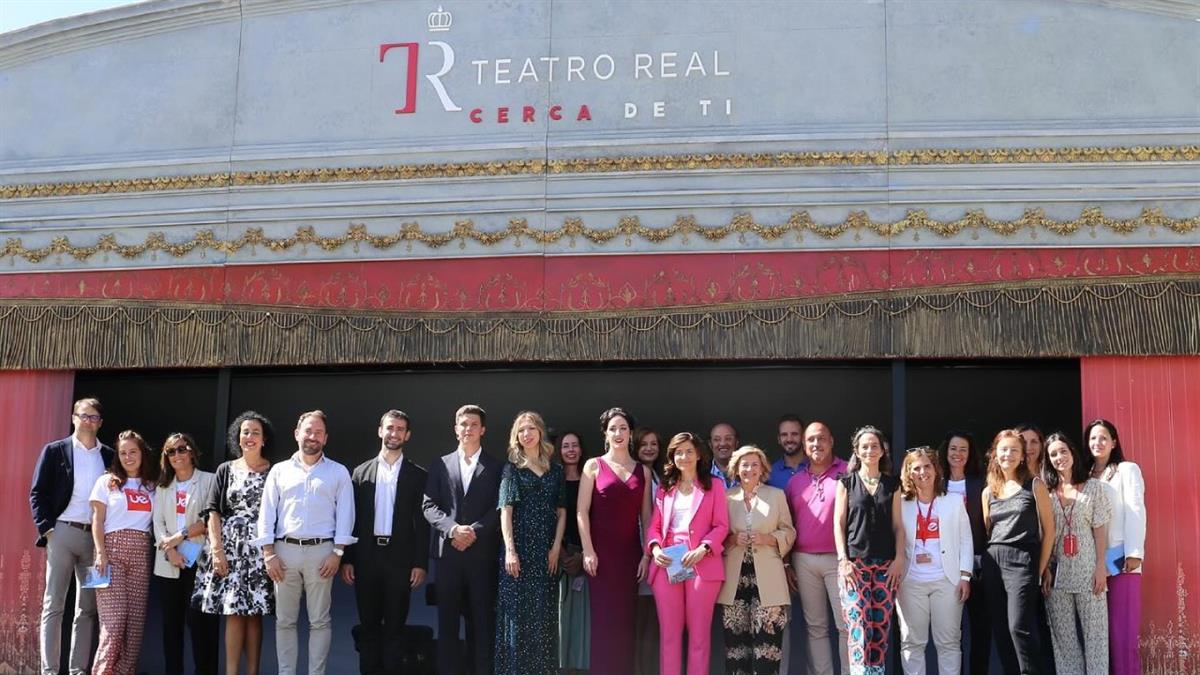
(915, 401)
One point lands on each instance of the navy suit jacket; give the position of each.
(447, 506)
(53, 481)
(410, 530)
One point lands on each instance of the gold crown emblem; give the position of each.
(440, 20)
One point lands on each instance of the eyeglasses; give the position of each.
(922, 448)
(84, 417)
(179, 450)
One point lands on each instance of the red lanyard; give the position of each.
(1068, 513)
(923, 523)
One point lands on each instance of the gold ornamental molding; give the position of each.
(629, 228)
(624, 164)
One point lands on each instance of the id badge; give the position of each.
(924, 558)
(1070, 545)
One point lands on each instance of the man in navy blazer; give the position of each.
(63, 478)
(391, 555)
(461, 497)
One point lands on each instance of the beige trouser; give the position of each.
(816, 575)
(921, 604)
(302, 577)
(68, 556)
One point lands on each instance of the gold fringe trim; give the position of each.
(629, 227)
(624, 164)
(1040, 319)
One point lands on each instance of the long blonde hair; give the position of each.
(516, 454)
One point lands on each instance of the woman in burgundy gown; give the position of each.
(614, 493)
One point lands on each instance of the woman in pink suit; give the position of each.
(689, 509)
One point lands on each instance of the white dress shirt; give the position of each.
(88, 467)
(385, 495)
(307, 502)
(466, 467)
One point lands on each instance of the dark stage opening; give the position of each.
(914, 401)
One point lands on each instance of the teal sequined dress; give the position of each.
(527, 608)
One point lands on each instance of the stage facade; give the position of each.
(918, 214)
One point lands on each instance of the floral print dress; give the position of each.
(246, 590)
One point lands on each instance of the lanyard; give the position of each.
(1068, 513)
(923, 532)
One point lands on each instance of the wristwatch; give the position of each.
(339, 552)
(707, 548)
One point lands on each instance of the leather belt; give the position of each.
(382, 541)
(305, 542)
(78, 526)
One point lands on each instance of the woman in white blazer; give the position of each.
(940, 555)
(1126, 543)
(182, 494)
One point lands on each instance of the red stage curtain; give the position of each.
(1155, 404)
(37, 407)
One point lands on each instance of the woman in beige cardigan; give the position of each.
(755, 594)
(182, 494)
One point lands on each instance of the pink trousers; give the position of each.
(1124, 623)
(689, 604)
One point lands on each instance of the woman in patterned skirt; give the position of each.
(232, 580)
(1078, 587)
(755, 593)
(532, 521)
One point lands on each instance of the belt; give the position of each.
(382, 541)
(79, 526)
(313, 541)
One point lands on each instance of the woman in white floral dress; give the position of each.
(233, 581)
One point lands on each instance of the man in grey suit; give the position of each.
(66, 471)
(461, 496)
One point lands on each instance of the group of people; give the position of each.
(552, 557)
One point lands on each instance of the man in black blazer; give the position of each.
(63, 479)
(391, 555)
(461, 496)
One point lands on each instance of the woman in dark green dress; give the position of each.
(532, 520)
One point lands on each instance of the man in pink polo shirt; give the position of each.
(811, 494)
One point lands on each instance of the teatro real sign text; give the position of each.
(516, 73)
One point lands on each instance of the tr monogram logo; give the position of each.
(439, 21)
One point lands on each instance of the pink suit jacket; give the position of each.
(710, 525)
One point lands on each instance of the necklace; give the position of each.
(869, 481)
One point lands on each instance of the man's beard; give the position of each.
(393, 446)
(311, 448)
(794, 450)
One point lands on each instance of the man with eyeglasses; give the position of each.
(65, 474)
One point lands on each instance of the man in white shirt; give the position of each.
(66, 471)
(461, 498)
(391, 553)
(305, 523)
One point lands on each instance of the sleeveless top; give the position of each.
(869, 531)
(1015, 519)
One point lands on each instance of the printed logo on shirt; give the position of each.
(927, 528)
(181, 500)
(136, 500)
